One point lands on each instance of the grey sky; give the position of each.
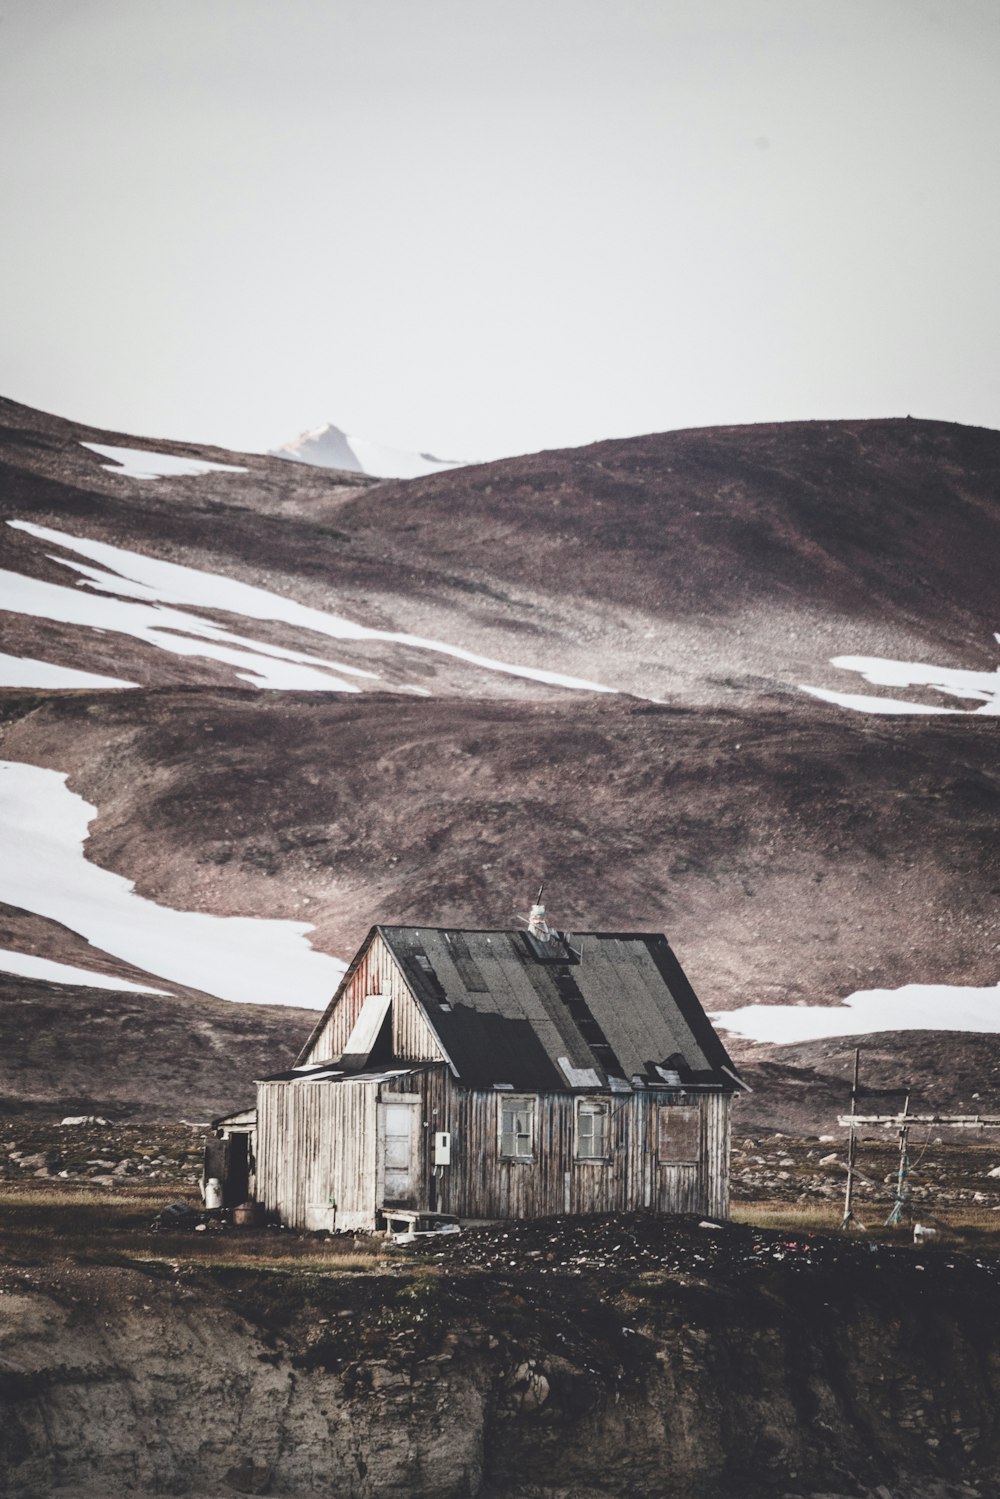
(485, 228)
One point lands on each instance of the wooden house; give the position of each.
(505, 1074)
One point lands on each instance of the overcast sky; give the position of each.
(483, 227)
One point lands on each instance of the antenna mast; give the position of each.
(899, 1207)
(850, 1219)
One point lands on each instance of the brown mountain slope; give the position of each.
(720, 567)
(793, 851)
(271, 526)
(65, 1049)
(753, 550)
(789, 857)
(866, 511)
(803, 1089)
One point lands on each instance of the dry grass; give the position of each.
(953, 1222)
(817, 1216)
(227, 1257)
(43, 1222)
(110, 1199)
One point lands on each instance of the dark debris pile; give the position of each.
(681, 1248)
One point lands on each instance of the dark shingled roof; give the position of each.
(572, 1012)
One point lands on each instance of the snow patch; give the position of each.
(157, 583)
(140, 463)
(393, 463)
(863, 703)
(44, 826)
(330, 447)
(973, 686)
(22, 671)
(171, 630)
(914, 1007)
(28, 966)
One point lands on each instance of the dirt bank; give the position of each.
(624, 1360)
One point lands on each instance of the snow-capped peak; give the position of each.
(329, 447)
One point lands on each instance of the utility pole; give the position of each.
(899, 1207)
(903, 1122)
(852, 1151)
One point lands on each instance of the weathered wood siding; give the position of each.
(319, 1143)
(378, 973)
(480, 1184)
(317, 1147)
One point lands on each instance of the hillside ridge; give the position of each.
(606, 666)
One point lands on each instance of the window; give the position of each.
(591, 1129)
(679, 1133)
(517, 1129)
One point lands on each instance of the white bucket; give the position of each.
(213, 1192)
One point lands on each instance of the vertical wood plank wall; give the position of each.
(317, 1144)
(378, 973)
(478, 1184)
(316, 1147)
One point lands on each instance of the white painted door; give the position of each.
(400, 1122)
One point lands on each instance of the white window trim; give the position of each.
(589, 1105)
(517, 1101)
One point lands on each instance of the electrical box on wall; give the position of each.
(442, 1148)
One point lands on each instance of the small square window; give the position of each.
(591, 1129)
(679, 1134)
(517, 1129)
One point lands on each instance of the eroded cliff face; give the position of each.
(874, 1372)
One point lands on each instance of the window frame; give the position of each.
(528, 1103)
(689, 1109)
(592, 1107)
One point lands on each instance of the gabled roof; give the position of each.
(581, 1011)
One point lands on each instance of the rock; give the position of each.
(529, 1388)
(383, 1377)
(41, 1158)
(187, 1396)
(832, 1159)
(249, 1477)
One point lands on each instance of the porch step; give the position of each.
(406, 1224)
